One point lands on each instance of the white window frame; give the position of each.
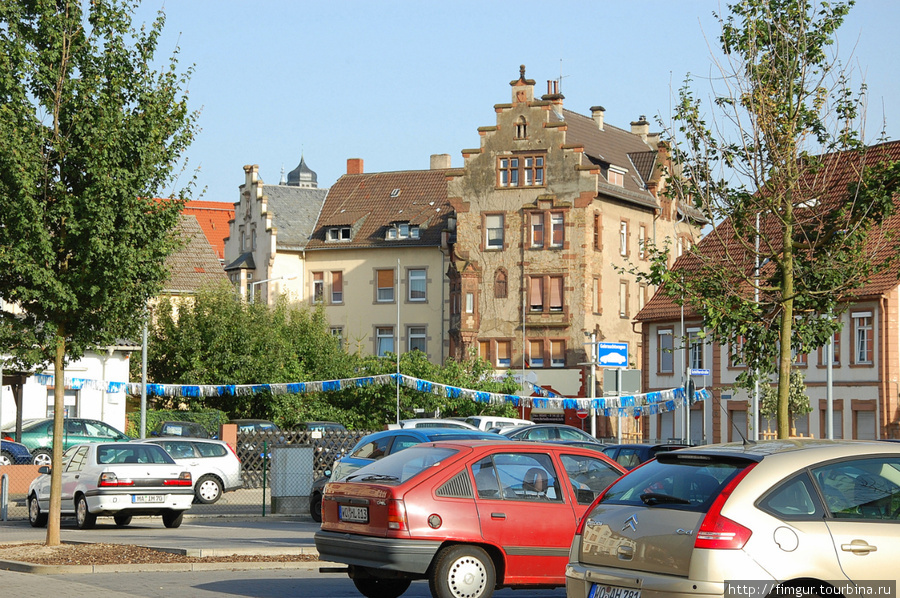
(414, 277)
(417, 335)
(384, 336)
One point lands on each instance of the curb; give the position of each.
(22, 567)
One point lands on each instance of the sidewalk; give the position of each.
(198, 536)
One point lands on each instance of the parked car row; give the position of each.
(471, 516)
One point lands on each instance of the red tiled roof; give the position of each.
(213, 217)
(841, 169)
(365, 203)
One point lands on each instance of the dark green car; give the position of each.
(37, 436)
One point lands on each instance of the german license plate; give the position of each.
(148, 498)
(604, 591)
(354, 514)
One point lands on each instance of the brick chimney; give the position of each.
(440, 161)
(597, 113)
(641, 127)
(354, 165)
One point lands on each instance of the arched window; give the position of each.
(521, 128)
(500, 284)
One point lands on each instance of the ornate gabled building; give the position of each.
(271, 226)
(551, 208)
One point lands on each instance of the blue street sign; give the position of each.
(614, 355)
(695, 372)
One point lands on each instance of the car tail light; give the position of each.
(183, 480)
(718, 532)
(396, 519)
(108, 479)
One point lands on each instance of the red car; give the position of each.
(469, 516)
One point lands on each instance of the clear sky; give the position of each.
(395, 81)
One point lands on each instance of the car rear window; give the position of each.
(132, 453)
(684, 484)
(210, 449)
(402, 466)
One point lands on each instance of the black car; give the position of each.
(630, 456)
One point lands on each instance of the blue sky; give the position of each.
(393, 82)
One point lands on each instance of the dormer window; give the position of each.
(338, 233)
(616, 176)
(402, 230)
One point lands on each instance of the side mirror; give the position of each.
(44, 469)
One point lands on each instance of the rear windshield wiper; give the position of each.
(376, 477)
(656, 498)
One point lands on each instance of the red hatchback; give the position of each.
(468, 516)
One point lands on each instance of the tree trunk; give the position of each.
(787, 324)
(59, 393)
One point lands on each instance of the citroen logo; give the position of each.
(631, 522)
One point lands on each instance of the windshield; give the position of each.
(688, 485)
(402, 466)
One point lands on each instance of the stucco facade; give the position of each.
(553, 209)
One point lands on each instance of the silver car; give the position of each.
(119, 480)
(733, 519)
(213, 464)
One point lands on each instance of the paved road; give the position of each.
(211, 584)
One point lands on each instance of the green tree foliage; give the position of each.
(218, 339)
(761, 163)
(798, 400)
(90, 133)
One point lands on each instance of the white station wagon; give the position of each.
(119, 479)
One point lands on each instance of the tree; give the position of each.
(90, 133)
(798, 400)
(218, 339)
(778, 167)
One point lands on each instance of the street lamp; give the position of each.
(252, 285)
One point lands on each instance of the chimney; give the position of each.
(354, 166)
(440, 161)
(641, 127)
(597, 113)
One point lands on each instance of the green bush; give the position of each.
(210, 419)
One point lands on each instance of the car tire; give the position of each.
(83, 516)
(122, 520)
(6, 458)
(208, 489)
(462, 572)
(379, 587)
(42, 457)
(315, 507)
(172, 519)
(35, 517)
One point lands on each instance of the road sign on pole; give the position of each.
(612, 355)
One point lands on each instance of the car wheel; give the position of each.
(172, 518)
(376, 587)
(6, 458)
(122, 520)
(83, 516)
(315, 507)
(462, 572)
(42, 457)
(35, 517)
(208, 489)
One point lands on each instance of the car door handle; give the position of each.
(858, 547)
(498, 515)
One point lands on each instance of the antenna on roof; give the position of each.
(561, 77)
(744, 439)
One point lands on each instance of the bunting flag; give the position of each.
(650, 403)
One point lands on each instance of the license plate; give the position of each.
(145, 498)
(354, 514)
(604, 591)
